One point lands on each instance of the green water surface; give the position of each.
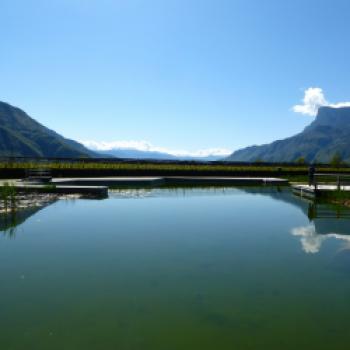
(207, 268)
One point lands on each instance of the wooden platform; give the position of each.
(174, 180)
(93, 191)
(110, 181)
(98, 187)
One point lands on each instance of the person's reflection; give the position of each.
(311, 212)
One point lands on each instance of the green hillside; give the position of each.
(20, 135)
(326, 136)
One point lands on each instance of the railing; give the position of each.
(339, 180)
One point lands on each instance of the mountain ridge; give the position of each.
(327, 135)
(21, 135)
(131, 153)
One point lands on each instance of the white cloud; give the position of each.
(314, 98)
(147, 146)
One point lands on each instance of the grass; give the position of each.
(341, 198)
(336, 195)
(81, 164)
(161, 166)
(145, 166)
(296, 173)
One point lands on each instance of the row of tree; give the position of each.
(335, 161)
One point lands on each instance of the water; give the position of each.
(174, 269)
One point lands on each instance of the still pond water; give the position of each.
(207, 268)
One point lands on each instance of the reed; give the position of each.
(8, 197)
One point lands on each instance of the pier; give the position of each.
(98, 187)
(170, 181)
(323, 185)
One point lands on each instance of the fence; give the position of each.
(339, 180)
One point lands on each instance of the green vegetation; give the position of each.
(336, 160)
(341, 198)
(300, 161)
(158, 167)
(8, 197)
(297, 172)
(21, 135)
(327, 134)
(336, 195)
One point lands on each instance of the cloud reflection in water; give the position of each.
(311, 241)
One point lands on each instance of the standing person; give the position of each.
(311, 175)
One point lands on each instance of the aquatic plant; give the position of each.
(8, 197)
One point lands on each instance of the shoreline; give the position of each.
(34, 200)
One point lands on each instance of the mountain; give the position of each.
(22, 136)
(137, 154)
(327, 135)
(152, 155)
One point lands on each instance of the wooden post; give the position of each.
(338, 182)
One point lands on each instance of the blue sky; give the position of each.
(176, 74)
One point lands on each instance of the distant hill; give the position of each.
(137, 154)
(20, 135)
(327, 135)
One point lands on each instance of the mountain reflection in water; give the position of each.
(325, 221)
(11, 221)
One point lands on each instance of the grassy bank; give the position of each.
(8, 200)
(86, 169)
(91, 169)
(341, 198)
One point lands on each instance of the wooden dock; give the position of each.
(323, 185)
(98, 187)
(89, 191)
(170, 181)
(110, 181)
